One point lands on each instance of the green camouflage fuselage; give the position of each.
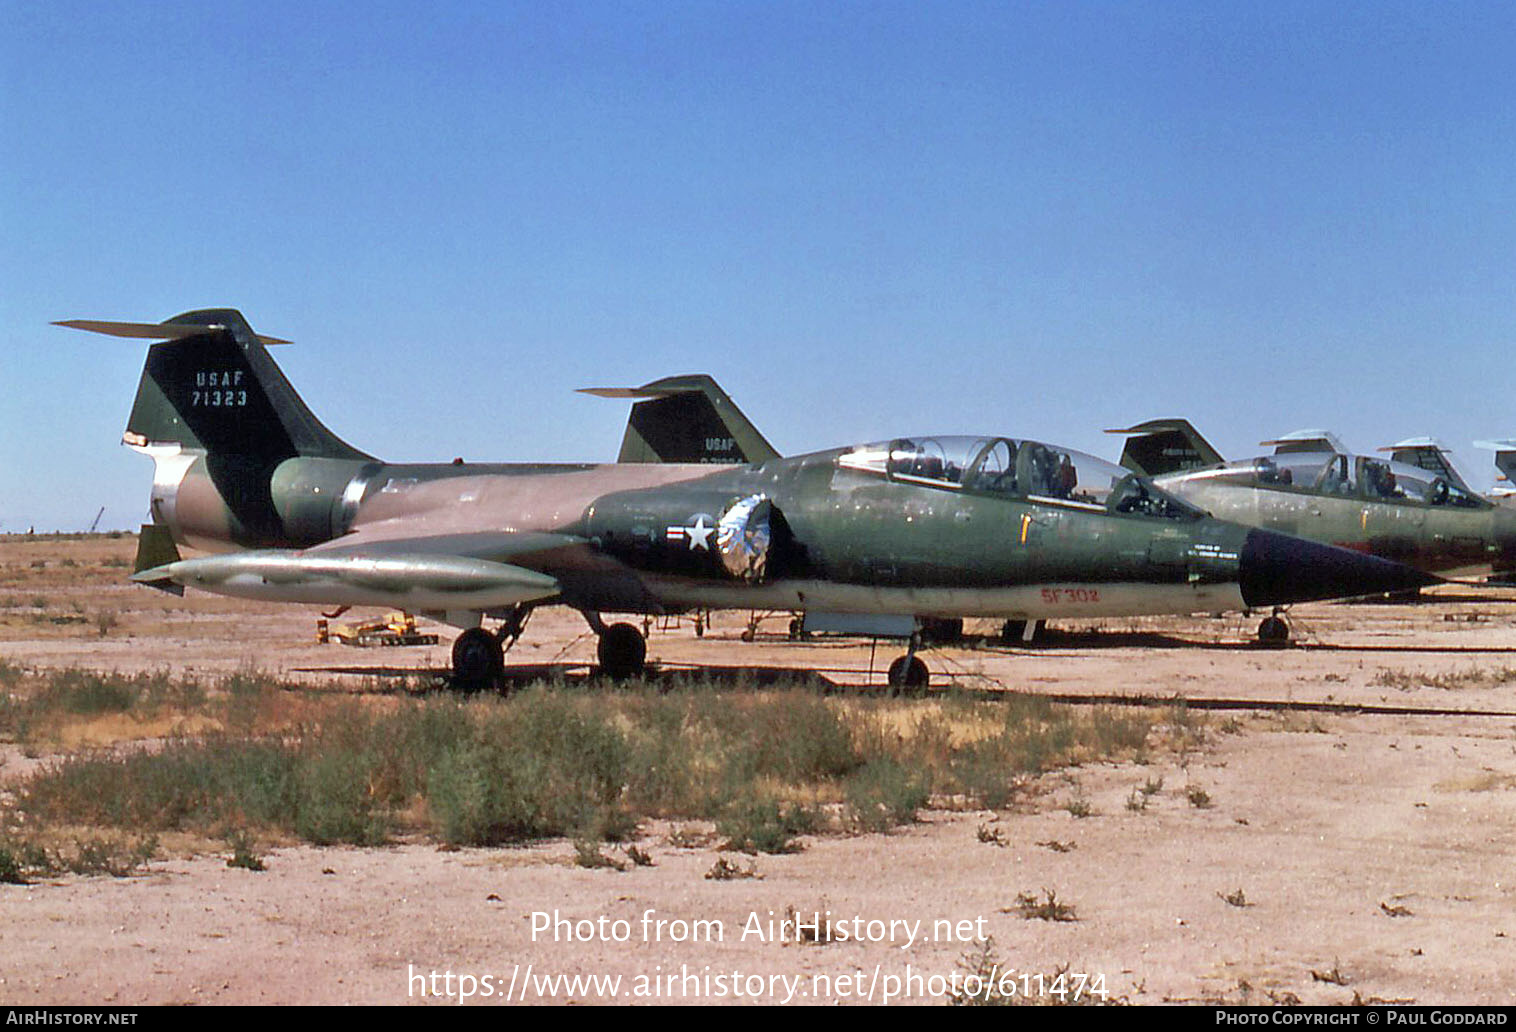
(1472, 540)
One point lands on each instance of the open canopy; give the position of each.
(1342, 474)
(1015, 468)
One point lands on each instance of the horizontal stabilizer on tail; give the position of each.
(154, 331)
(686, 419)
(1310, 441)
(1162, 446)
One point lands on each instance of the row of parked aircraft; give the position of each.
(700, 512)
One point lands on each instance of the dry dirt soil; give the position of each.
(1347, 830)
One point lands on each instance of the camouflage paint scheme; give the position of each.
(244, 467)
(1421, 515)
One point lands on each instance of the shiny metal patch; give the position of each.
(743, 536)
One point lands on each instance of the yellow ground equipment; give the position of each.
(393, 629)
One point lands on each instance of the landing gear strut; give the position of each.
(909, 673)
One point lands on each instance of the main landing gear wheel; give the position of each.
(622, 651)
(478, 660)
(1274, 633)
(908, 673)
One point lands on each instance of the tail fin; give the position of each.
(1505, 461)
(686, 419)
(210, 385)
(1427, 453)
(1162, 446)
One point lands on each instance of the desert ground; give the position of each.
(1344, 830)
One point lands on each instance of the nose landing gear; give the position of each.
(1274, 632)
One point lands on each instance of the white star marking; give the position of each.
(700, 534)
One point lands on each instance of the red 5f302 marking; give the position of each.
(1070, 596)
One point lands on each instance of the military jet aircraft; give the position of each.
(913, 526)
(1422, 515)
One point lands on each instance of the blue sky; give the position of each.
(863, 219)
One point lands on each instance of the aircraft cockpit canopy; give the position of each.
(1338, 473)
(1016, 468)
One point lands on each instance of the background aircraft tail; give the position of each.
(1428, 453)
(210, 385)
(1162, 446)
(686, 419)
(1505, 461)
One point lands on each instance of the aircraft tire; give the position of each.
(478, 660)
(622, 651)
(1273, 633)
(908, 673)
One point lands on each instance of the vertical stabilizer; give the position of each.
(686, 419)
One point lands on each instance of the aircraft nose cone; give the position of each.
(1277, 569)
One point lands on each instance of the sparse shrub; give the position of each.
(112, 856)
(884, 793)
(243, 853)
(992, 836)
(765, 825)
(982, 971)
(1199, 798)
(689, 838)
(588, 854)
(10, 868)
(88, 693)
(724, 870)
(333, 802)
(1048, 907)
